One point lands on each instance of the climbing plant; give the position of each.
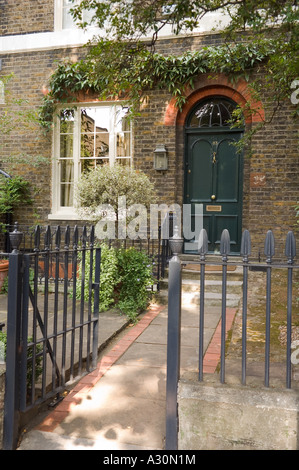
(123, 70)
(119, 64)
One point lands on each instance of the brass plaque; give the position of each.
(213, 208)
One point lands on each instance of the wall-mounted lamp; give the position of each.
(160, 158)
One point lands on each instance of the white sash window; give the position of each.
(86, 137)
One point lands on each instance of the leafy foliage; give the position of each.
(125, 280)
(119, 64)
(104, 185)
(109, 276)
(126, 71)
(135, 271)
(13, 191)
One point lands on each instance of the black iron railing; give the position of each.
(53, 313)
(174, 311)
(42, 325)
(47, 236)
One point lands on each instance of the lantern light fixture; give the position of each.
(160, 158)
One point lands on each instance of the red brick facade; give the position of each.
(271, 174)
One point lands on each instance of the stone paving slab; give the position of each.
(121, 405)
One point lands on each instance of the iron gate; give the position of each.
(52, 324)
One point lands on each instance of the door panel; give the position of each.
(214, 179)
(227, 162)
(200, 171)
(226, 222)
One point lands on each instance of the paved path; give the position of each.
(121, 405)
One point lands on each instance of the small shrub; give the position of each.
(108, 278)
(125, 279)
(136, 279)
(38, 358)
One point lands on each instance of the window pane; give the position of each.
(87, 145)
(67, 121)
(95, 126)
(90, 164)
(95, 119)
(123, 161)
(87, 122)
(102, 145)
(66, 171)
(122, 122)
(66, 146)
(67, 19)
(66, 195)
(123, 145)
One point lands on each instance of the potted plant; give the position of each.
(13, 191)
(4, 263)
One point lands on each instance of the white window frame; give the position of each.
(59, 212)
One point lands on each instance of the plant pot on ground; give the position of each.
(4, 263)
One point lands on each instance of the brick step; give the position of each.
(211, 273)
(212, 299)
(211, 285)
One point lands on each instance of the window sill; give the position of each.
(64, 216)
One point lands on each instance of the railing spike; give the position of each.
(84, 236)
(91, 236)
(75, 237)
(246, 244)
(203, 242)
(48, 237)
(225, 243)
(290, 248)
(269, 245)
(67, 237)
(37, 238)
(58, 237)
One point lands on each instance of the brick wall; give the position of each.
(31, 73)
(26, 16)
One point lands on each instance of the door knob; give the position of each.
(213, 197)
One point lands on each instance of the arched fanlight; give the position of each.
(214, 112)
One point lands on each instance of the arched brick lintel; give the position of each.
(240, 94)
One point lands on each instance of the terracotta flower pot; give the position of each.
(3, 271)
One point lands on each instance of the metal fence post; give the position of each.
(224, 250)
(13, 348)
(173, 344)
(290, 252)
(269, 252)
(202, 250)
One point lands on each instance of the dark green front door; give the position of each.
(213, 182)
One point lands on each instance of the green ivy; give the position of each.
(115, 69)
